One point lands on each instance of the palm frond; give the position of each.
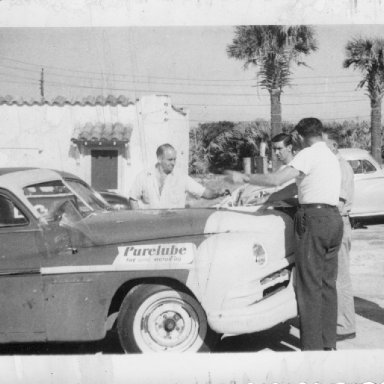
(272, 49)
(367, 56)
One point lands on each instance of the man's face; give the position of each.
(283, 153)
(168, 160)
(332, 144)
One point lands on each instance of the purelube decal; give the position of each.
(178, 253)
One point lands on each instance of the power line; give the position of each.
(18, 76)
(149, 80)
(291, 117)
(159, 77)
(16, 82)
(268, 105)
(55, 83)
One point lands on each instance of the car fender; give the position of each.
(226, 261)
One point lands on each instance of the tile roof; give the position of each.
(61, 101)
(102, 132)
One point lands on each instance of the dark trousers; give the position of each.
(318, 237)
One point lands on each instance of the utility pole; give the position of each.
(42, 84)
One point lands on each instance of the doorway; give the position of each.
(104, 172)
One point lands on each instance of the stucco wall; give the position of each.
(41, 135)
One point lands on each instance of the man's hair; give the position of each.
(162, 148)
(309, 127)
(284, 137)
(333, 134)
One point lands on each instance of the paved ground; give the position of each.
(367, 268)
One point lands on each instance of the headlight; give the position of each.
(260, 254)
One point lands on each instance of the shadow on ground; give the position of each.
(369, 310)
(363, 222)
(109, 345)
(277, 339)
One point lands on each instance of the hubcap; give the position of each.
(170, 324)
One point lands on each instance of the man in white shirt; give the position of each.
(318, 230)
(346, 323)
(161, 187)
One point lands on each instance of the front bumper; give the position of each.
(261, 315)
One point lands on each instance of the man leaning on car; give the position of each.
(318, 232)
(162, 187)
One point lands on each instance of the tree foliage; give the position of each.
(367, 56)
(273, 49)
(216, 146)
(222, 145)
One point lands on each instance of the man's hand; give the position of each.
(213, 194)
(236, 177)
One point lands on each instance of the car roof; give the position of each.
(15, 179)
(358, 154)
(4, 171)
(354, 153)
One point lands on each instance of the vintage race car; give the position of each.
(369, 189)
(71, 268)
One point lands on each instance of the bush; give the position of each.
(222, 145)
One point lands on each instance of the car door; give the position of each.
(369, 189)
(21, 288)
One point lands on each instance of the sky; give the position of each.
(190, 64)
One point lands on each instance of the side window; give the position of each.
(368, 167)
(45, 197)
(362, 166)
(10, 215)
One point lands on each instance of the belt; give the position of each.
(317, 206)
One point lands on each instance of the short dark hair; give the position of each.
(162, 148)
(309, 127)
(333, 134)
(284, 137)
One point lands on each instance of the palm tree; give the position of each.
(272, 49)
(367, 55)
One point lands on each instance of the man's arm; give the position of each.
(196, 189)
(210, 194)
(283, 194)
(136, 192)
(269, 180)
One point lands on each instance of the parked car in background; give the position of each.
(72, 268)
(115, 200)
(369, 188)
(369, 184)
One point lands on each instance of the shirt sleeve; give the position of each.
(301, 161)
(136, 191)
(347, 181)
(194, 188)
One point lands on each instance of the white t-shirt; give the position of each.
(146, 189)
(320, 177)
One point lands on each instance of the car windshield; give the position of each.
(48, 197)
(88, 195)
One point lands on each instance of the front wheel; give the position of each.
(157, 318)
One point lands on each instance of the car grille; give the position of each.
(275, 281)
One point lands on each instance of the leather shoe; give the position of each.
(346, 336)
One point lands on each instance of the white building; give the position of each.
(105, 141)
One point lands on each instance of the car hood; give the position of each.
(142, 225)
